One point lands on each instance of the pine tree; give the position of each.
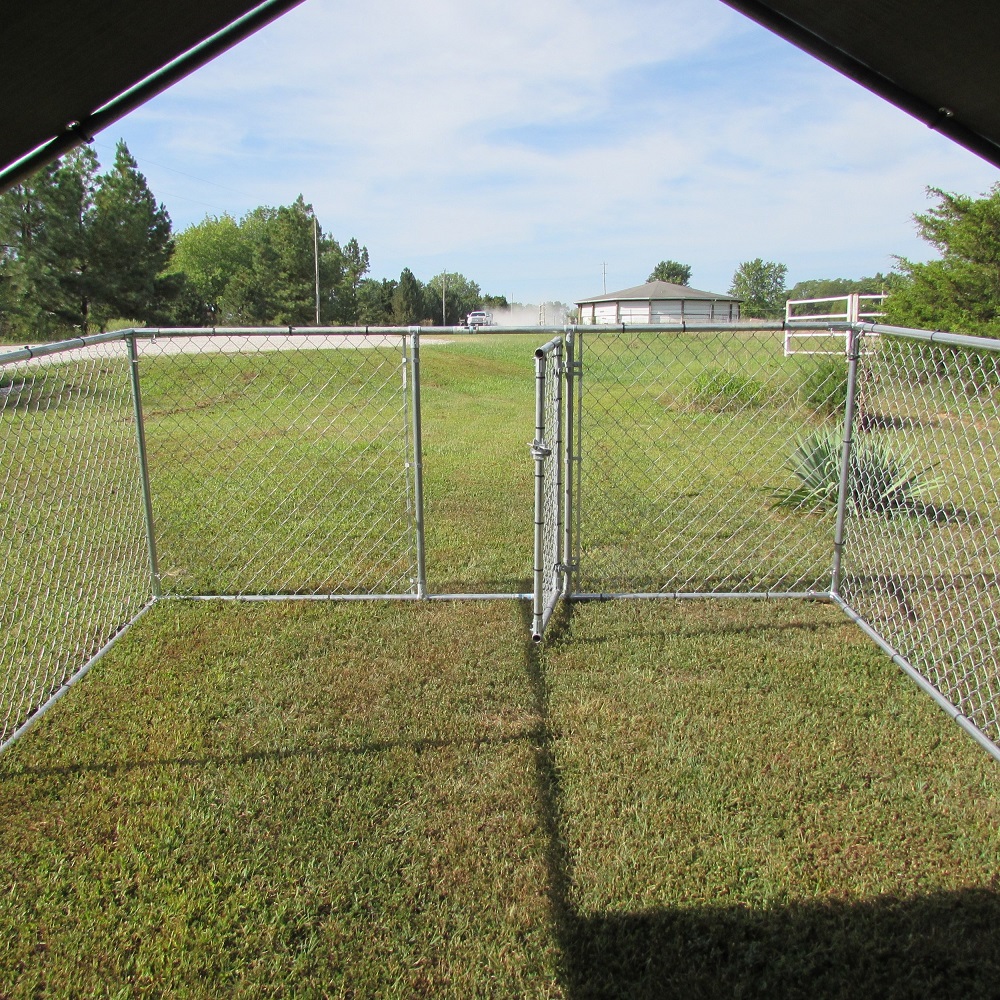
(130, 241)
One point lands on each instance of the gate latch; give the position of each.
(539, 450)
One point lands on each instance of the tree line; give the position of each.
(81, 250)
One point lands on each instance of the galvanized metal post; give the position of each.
(538, 454)
(566, 458)
(555, 540)
(575, 459)
(418, 461)
(843, 493)
(140, 433)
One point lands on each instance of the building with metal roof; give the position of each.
(659, 302)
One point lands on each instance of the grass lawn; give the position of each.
(667, 799)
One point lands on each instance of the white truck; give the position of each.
(479, 318)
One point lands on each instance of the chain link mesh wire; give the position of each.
(74, 566)
(547, 449)
(281, 464)
(922, 548)
(685, 438)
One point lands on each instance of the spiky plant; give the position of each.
(880, 482)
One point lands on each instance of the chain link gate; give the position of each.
(547, 450)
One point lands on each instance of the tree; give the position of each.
(130, 242)
(353, 268)
(375, 301)
(407, 300)
(262, 269)
(960, 292)
(45, 222)
(760, 285)
(824, 288)
(672, 271)
(209, 254)
(461, 296)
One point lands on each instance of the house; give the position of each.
(659, 302)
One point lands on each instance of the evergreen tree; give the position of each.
(375, 301)
(960, 292)
(47, 278)
(407, 300)
(130, 242)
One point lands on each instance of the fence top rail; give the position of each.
(30, 351)
(933, 336)
(837, 298)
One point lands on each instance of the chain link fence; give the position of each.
(281, 464)
(191, 464)
(668, 462)
(74, 566)
(921, 550)
(686, 439)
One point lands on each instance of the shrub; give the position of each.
(880, 482)
(824, 387)
(717, 389)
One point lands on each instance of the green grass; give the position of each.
(668, 799)
(683, 799)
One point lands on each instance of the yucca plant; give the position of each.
(880, 482)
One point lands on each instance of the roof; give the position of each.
(67, 61)
(658, 290)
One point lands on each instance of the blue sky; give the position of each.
(527, 145)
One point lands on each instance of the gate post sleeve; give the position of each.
(140, 433)
(844, 489)
(418, 462)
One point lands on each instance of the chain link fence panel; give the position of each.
(922, 543)
(281, 463)
(686, 439)
(74, 565)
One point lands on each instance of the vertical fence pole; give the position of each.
(556, 538)
(575, 459)
(140, 433)
(843, 493)
(567, 460)
(538, 452)
(418, 461)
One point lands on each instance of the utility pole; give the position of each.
(444, 285)
(316, 261)
(605, 266)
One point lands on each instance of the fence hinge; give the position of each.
(539, 449)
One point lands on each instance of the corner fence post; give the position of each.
(844, 489)
(418, 461)
(140, 433)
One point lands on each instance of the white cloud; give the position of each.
(525, 143)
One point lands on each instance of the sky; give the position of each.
(549, 150)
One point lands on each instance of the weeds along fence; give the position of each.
(669, 462)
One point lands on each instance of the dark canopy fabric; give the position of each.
(935, 59)
(65, 60)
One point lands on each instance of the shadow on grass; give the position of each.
(317, 751)
(945, 944)
(938, 945)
